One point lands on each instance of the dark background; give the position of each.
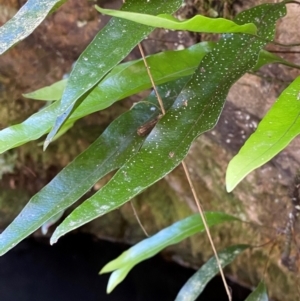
(36, 271)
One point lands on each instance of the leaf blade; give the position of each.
(103, 156)
(196, 283)
(196, 24)
(115, 41)
(124, 80)
(275, 131)
(266, 57)
(25, 21)
(196, 110)
(259, 294)
(49, 93)
(186, 60)
(154, 244)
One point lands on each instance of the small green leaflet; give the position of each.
(266, 57)
(154, 244)
(49, 93)
(275, 131)
(196, 284)
(259, 294)
(196, 24)
(27, 19)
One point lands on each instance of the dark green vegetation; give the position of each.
(193, 84)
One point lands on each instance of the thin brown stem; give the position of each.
(228, 291)
(152, 81)
(138, 219)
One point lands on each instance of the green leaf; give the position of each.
(57, 6)
(114, 147)
(196, 110)
(117, 277)
(25, 21)
(260, 293)
(266, 57)
(196, 24)
(49, 93)
(196, 284)
(275, 131)
(124, 80)
(163, 69)
(154, 244)
(129, 78)
(111, 45)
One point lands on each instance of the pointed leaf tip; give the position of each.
(197, 283)
(276, 130)
(198, 23)
(154, 244)
(206, 96)
(259, 294)
(88, 72)
(25, 21)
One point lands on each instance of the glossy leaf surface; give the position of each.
(163, 69)
(196, 284)
(275, 131)
(111, 45)
(196, 110)
(25, 21)
(266, 57)
(124, 80)
(196, 24)
(114, 147)
(259, 294)
(49, 93)
(154, 244)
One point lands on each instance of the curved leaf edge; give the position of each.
(249, 156)
(149, 247)
(198, 281)
(198, 23)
